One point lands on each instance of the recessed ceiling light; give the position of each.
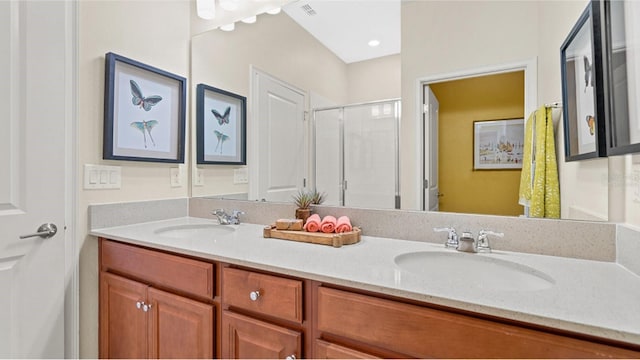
(250, 20)
(228, 27)
(374, 43)
(275, 11)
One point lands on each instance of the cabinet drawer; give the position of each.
(423, 332)
(327, 350)
(276, 296)
(247, 338)
(172, 271)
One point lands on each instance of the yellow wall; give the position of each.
(461, 103)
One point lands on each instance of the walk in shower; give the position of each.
(356, 152)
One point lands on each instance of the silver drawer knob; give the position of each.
(146, 307)
(139, 304)
(291, 357)
(254, 295)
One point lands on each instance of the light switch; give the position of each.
(102, 177)
(240, 176)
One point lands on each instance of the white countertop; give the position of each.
(591, 297)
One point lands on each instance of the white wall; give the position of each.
(449, 36)
(138, 30)
(375, 79)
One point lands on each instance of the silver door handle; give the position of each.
(45, 231)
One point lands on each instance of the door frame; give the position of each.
(72, 189)
(530, 68)
(253, 134)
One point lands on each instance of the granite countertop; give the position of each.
(590, 297)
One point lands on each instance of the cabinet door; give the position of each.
(179, 327)
(247, 338)
(123, 327)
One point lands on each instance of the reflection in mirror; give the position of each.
(280, 48)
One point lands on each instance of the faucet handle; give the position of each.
(452, 237)
(483, 240)
(237, 212)
(218, 212)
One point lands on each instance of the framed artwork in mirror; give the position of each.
(144, 112)
(583, 90)
(221, 136)
(498, 144)
(622, 71)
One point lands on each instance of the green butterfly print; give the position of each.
(145, 127)
(221, 139)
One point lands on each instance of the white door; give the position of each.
(34, 105)
(281, 139)
(430, 147)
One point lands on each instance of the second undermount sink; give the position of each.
(474, 270)
(194, 231)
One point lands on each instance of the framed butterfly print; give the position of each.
(144, 112)
(221, 135)
(583, 90)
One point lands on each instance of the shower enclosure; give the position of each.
(356, 154)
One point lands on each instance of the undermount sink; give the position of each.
(194, 231)
(474, 270)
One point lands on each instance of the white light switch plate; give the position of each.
(102, 177)
(198, 177)
(240, 176)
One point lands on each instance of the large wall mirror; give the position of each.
(277, 59)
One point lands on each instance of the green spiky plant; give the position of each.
(303, 199)
(317, 197)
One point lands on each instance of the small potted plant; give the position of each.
(317, 198)
(303, 201)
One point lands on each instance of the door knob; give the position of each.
(45, 231)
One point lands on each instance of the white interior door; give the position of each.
(34, 104)
(430, 146)
(281, 141)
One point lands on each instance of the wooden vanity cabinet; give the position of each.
(423, 332)
(263, 315)
(142, 316)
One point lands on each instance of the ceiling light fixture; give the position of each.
(250, 19)
(374, 43)
(274, 11)
(206, 9)
(228, 27)
(230, 5)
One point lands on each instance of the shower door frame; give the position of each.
(397, 103)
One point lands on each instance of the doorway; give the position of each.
(462, 160)
(278, 163)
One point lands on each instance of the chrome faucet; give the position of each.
(452, 237)
(226, 219)
(466, 241)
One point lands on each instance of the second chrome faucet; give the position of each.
(226, 219)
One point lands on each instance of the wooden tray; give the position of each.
(333, 239)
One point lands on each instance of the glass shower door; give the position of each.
(371, 155)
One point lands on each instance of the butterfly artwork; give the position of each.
(221, 139)
(222, 119)
(591, 122)
(145, 127)
(588, 73)
(138, 99)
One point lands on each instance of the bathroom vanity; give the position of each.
(195, 290)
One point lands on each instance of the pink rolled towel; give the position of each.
(343, 224)
(328, 224)
(313, 223)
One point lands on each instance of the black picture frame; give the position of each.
(623, 126)
(583, 87)
(221, 127)
(144, 112)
